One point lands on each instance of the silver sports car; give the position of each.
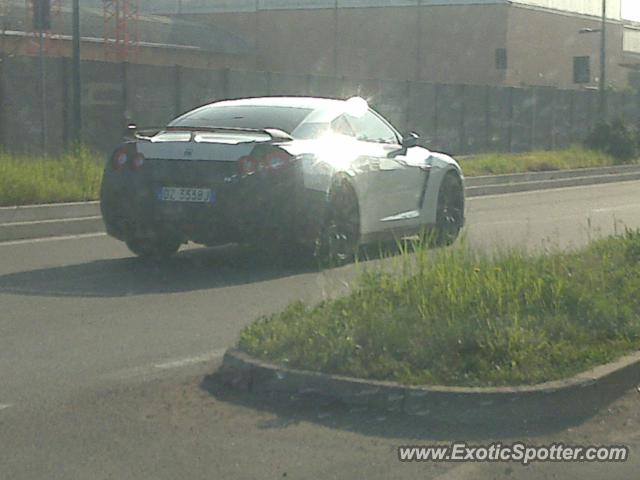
(316, 175)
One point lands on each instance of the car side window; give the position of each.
(311, 130)
(342, 127)
(371, 128)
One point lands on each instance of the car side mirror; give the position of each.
(130, 131)
(410, 140)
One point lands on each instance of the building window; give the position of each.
(501, 58)
(581, 70)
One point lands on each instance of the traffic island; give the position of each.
(462, 336)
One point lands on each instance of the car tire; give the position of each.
(154, 248)
(339, 238)
(450, 210)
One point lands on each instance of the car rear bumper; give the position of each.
(262, 207)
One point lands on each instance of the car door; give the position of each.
(396, 182)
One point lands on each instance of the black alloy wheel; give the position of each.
(450, 210)
(340, 236)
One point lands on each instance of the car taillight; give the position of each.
(248, 165)
(137, 162)
(119, 159)
(276, 160)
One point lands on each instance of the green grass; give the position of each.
(500, 163)
(76, 176)
(458, 317)
(28, 180)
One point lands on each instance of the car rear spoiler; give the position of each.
(277, 136)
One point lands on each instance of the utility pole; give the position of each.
(602, 110)
(77, 92)
(602, 83)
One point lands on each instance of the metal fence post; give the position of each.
(510, 120)
(44, 101)
(177, 92)
(407, 107)
(124, 67)
(462, 133)
(591, 119)
(309, 82)
(225, 83)
(66, 100)
(3, 106)
(572, 113)
(268, 75)
(552, 139)
(436, 94)
(532, 126)
(487, 118)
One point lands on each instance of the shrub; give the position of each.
(615, 139)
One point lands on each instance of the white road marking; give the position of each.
(4, 406)
(52, 239)
(617, 207)
(157, 368)
(183, 362)
(53, 220)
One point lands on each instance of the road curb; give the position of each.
(565, 401)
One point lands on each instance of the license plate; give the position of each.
(184, 194)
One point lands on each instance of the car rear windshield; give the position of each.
(245, 116)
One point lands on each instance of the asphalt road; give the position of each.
(104, 361)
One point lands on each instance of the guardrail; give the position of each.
(526, 182)
(41, 221)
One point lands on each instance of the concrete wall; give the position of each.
(456, 118)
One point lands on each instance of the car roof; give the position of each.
(312, 103)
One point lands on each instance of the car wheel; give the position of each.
(450, 210)
(154, 248)
(339, 239)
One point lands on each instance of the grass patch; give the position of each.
(458, 317)
(76, 176)
(28, 180)
(501, 163)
